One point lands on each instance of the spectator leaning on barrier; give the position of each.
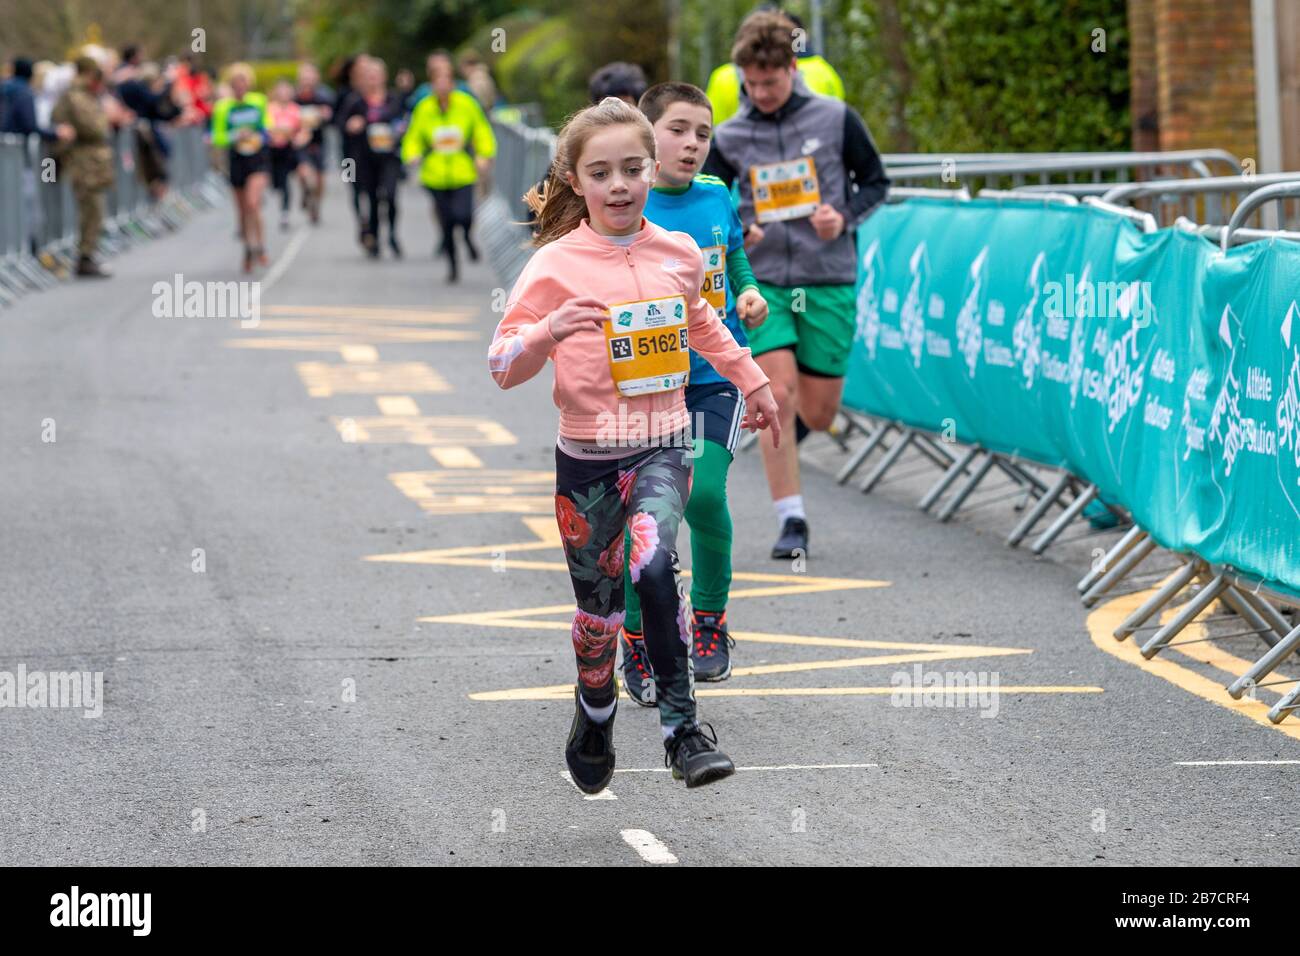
(148, 94)
(18, 116)
(87, 160)
(808, 174)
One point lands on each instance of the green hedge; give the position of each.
(986, 75)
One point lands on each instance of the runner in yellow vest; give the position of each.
(452, 138)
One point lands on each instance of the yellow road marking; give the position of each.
(323, 379)
(332, 343)
(1101, 625)
(359, 353)
(454, 430)
(547, 537)
(397, 405)
(360, 329)
(455, 456)
(562, 692)
(372, 312)
(486, 491)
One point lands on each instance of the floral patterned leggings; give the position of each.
(597, 502)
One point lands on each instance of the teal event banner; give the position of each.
(1151, 364)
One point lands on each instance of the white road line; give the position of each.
(788, 766)
(281, 265)
(1236, 763)
(606, 794)
(648, 846)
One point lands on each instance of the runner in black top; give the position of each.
(317, 108)
(373, 122)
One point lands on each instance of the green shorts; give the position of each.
(820, 330)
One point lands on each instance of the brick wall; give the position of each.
(1192, 75)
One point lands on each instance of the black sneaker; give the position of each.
(712, 647)
(638, 676)
(88, 268)
(794, 537)
(590, 750)
(694, 756)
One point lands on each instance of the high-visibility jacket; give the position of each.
(725, 86)
(448, 140)
(230, 115)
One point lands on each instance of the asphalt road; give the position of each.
(277, 698)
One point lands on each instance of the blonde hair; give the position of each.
(241, 69)
(559, 209)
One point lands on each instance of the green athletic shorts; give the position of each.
(820, 332)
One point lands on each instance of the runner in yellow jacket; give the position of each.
(451, 136)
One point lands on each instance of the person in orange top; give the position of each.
(286, 139)
(615, 302)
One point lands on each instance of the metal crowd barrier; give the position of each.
(1202, 200)
(523, 159)
(1249, 607)
(1039, 487)
(1077, 170)
(38, 215)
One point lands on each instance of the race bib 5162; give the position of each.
(647, 346)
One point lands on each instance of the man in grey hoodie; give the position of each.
(809, 174)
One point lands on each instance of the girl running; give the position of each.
(615, 302)
(239, 122)
(285, 136)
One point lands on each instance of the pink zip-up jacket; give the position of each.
(656, 264)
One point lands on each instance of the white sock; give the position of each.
(790, 506)
(598, 714)
(667, 731)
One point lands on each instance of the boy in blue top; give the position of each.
(700, 206)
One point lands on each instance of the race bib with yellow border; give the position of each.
(381, 137)
(647, 345)
(448, 139)
(248, 142)
(786, 190)
(714, 289)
